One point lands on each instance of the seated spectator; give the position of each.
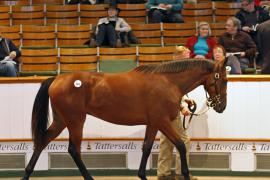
(250, 17)
(263, 45)
(110, 30)
(219, 53)
(167, 11)
(9, 54)
(238, 45)
(201, 45)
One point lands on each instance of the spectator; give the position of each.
(238, 45)
(263, 45)
(110, 30)
(250, 17)
(201, 45)
(167, 11)
(165, 156)
(181, 52)
(219, 53)
(9, 54)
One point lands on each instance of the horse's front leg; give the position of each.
(168, 130)
(149, 138)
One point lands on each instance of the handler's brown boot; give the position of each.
(181, 177)
(170, 177)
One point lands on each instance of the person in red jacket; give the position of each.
(201, 45)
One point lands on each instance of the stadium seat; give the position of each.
(30, 15)
(117, 59)
(38, 36)
(89, 14)
(73, 35)
(4, 16)
(133, 13)
(154, 55)
(148, 34)
(224, 10)
(197, 12)
(62, 14)
(78, 59)
(39, 62)
(12, 32)
(176, 34)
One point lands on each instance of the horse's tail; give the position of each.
(40, 112)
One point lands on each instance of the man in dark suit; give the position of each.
(263, 45)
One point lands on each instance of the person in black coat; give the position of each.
(9, 54)
(251, 16)
(263, 45)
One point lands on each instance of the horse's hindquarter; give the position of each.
(132, 98)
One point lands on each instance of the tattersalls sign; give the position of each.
(131, 146)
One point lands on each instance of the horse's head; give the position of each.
(216, 86)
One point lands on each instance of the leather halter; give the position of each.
(210, 102)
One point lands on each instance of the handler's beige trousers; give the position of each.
(165, 156)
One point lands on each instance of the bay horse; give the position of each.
(147, 95)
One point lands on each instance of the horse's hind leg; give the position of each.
(150, 135)
(74, 148)
(170, 133)
(53, 131)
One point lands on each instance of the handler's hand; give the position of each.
(190, 102)
(185, 111)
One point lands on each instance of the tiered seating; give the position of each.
(15, 2)
(117, 59)
(78, 59)
(154, 55)
(48, 1)
(39, 62)
(223, 10)
(70, 26)
(4, 16)
(38, 36)
(89, 14)
(28, 15)
(74, 36)
(217, 29)
(11, 32)
(149, 34)
(62, 14)
(178, 33)
(198, 12)
(133, 13)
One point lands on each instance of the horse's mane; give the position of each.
(177, 66)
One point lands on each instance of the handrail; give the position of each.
(231, 78)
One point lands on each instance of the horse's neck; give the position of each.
(187, 81)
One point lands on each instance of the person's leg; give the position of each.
(155, 16)
(100, 34)
(234, 63)
(111, 34)
(8, 69)
(185, 137)
(165, 157)
(244, 63)
(175, 18)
